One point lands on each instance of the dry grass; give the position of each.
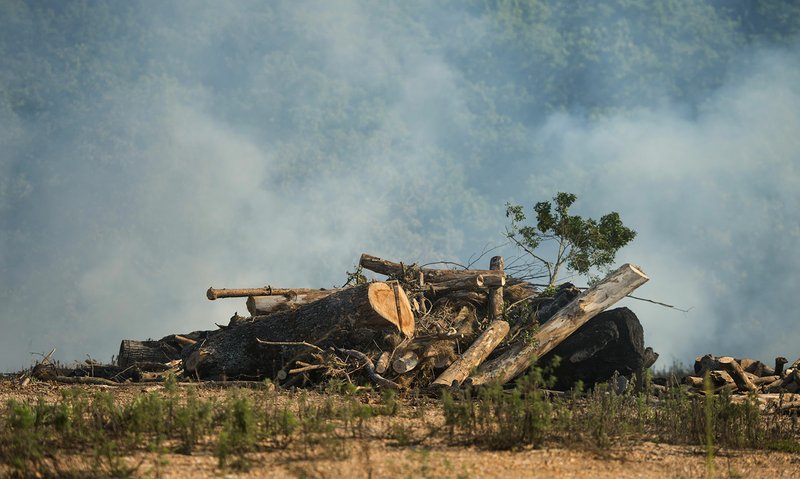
(88, 432)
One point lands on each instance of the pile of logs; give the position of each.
(744, 375)
(421, 327)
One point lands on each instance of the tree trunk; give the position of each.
(132, 352)
(588, 304)
(360, 316)
(285, 299)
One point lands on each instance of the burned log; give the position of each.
(132, 352)
(611, 342)
(359, 317)
(588, 304)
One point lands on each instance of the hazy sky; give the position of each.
(165, 186)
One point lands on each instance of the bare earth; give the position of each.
(373, 458)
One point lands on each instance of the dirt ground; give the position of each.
(373, 458)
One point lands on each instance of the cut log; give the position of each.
(765, 380)
(466, 283)
(383, 363)
(515, 289)
(693, 381)
(405, 362)
(475, 355)
(359, 317)
(721, 377)
(756, 367)
(708, 362)
(285, 299)
(587, 305)
(780, 362)
(495, 303)
(132, 352)
(732, 367)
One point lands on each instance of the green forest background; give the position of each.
(151, 149)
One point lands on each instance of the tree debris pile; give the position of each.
(420, 328)
(729, 374)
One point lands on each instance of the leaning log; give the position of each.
(282, 299)
(360, 317)
(732, 367)
(587, 305)
(475, 355)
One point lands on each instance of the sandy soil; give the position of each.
(371, 458)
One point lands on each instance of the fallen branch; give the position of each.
(370, 368)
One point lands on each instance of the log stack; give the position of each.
(746, 375)
(419, 327)
(422, 327)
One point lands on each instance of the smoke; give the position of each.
(238, 156)
(714, 199)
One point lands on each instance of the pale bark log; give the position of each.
(406, 362)
(467, 283)
(475, 355)
(721, 377)
(495, 303)
(285, 299)
(693, 381)
(588, 304)
(733, 368)
(383, 363)
(765, 380)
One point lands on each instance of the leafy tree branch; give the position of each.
(580, 244)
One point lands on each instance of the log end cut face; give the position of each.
(391, 303)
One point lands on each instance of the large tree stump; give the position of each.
(358, 318)
(132, 352)
(587, 305)
(612, 341)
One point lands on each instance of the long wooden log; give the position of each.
(282, 299)
(514, 289)
(588, 304)
(359, 316)
(468, 283)
(475, 355)
(213, 293)
(431, 275)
